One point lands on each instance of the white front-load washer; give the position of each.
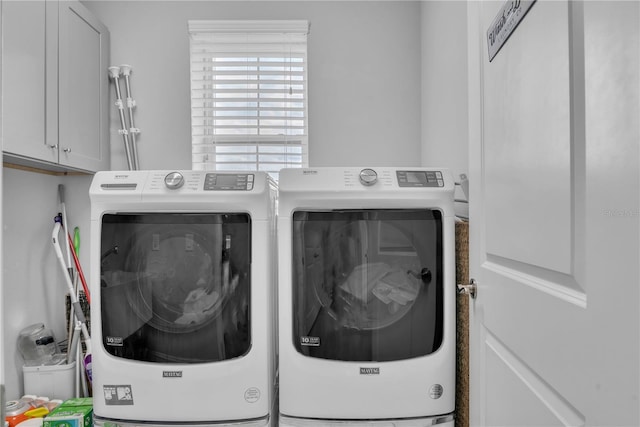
(366, 289)
(183, 295)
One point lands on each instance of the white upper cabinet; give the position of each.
(83, 84)
(24, 68)
(55, 86)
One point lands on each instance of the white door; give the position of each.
(554, 216)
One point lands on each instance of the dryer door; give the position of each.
(367, 284)
(175, 287)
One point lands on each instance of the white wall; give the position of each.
(32, 282)
(444, 87)
(364, 76)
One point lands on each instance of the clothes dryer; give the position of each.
(366, 296)
(183, 297)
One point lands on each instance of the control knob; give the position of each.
(174, 180)
(368, 177)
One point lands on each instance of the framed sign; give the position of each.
(505, 23)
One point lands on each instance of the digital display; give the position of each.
(419, 177)
(229, 182)
(425, 179)
(226, 180)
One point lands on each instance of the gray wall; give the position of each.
(364, 76)
(444, 88)
(32, 280)
(444, 85)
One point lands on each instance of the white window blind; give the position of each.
(248, 95)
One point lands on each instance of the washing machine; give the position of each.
(366, 289)
(182, 281)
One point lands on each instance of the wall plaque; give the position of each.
(505, 24)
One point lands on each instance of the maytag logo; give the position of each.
(121, 176)
(369, 371)
(309, 172)
(171, 374)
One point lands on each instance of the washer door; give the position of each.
(175, 288)
(367, 284)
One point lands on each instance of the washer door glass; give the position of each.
(175, 288)
(367, 284)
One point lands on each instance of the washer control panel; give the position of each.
(226, 181)
(383, 177)
(407, 178)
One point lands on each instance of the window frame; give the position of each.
(226, 135)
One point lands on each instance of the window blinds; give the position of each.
(248, 94)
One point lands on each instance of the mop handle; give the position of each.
(72, 294)
(76, 261)
(64, 224)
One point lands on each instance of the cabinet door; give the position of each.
(83, 89)
(25, 65)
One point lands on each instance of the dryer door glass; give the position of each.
(367, 284)
(175, 288)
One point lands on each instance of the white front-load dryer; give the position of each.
(366, 289)
(183, 297)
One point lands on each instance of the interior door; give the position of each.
(554, 216)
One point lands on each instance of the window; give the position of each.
(248, 95)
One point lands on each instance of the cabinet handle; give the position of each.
(53, 146)
(67, 150)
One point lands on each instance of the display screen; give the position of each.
(225, 180)
(232, 181)
(417, 177)
(420, 179)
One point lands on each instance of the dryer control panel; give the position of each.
(412, 178)
(368, 180)
(212, 181)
